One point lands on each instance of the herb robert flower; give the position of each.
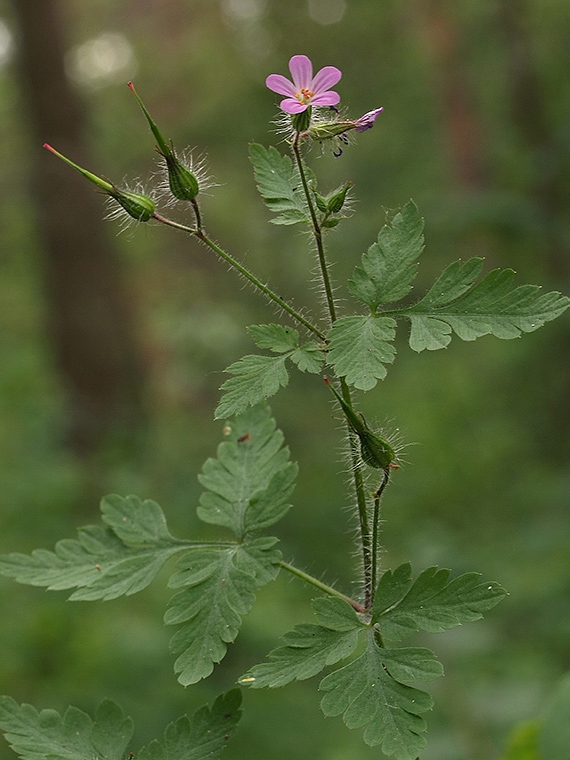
(305, 90)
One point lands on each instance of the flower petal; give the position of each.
(301, 70)
(329, 98)
(279, 83)
(290, 105)
(325, 78)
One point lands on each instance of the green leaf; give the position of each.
(256, 379)
(218, 589)
(359, 349)
(308, 358)
(271, 505)
(390, 265)
(336, 614)
(45, 735)
(306, 650)
(98, 563)
(490, 307)
(277, 338)
(37, 735)
(136, 522)
(201, 738)
(366, 694)
(243, 484)
(279, 184)
(432, 603)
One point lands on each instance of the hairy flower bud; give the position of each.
(137, 205)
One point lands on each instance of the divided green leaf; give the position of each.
(490, 307)
(390, 265)
(359, 349)
(309, 648)
(218, 589)
(203, 737)
(37, 735)
(256, 378)
(278, 338)
(279, 184)
(102, 563)
(367, 694)
(249, 483)
(431, 603)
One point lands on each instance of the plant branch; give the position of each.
(201, 235)
(321, 586)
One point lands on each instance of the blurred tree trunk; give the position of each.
(461, 128)
(88, 316)
(528, 104)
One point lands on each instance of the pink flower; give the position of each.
(305, 90)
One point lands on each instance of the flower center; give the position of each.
(304, 96)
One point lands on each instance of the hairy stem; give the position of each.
(376, 526)
(317, 231)
(368, 558)
(321, 586)
(201, 235)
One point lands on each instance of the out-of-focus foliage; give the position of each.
(475, 129)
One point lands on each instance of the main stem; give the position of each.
(366, 538)
(317, 231)
(201, 235)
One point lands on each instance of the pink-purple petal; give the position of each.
(329, 98)
(279, 83)
(292, 106)
(301, 70)
(325, 78)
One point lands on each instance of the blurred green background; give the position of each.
(117, 394)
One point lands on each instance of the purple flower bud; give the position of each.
(367, 121)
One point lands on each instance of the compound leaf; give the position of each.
(256, 378)
(432, 603)
(390, 265)
(279, 184)
(366, 694)
(243, 482)
(491, 307)
(203, 737)
(97, 563)
(359, 349)
(45, 735)
(218, 589)
(37, 735)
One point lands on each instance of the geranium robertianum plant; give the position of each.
(247, 487)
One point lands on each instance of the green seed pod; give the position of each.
(375, 450)
(183, 184)
(335, 200)
(137, 205)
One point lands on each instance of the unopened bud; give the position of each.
(137, 205)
